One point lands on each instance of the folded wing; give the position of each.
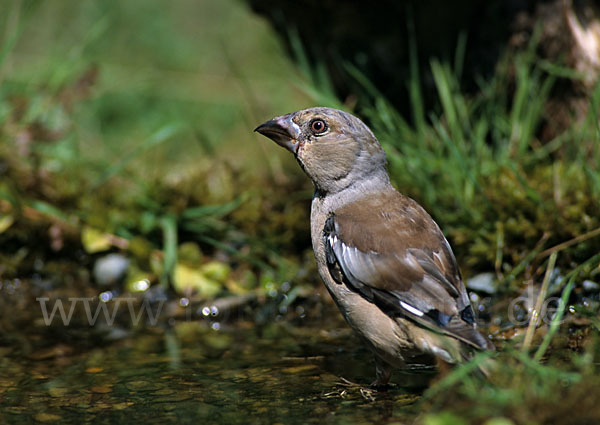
(387, 248)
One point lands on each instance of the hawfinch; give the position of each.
(383, 259)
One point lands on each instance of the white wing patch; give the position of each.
(332, 239)
(410, 308)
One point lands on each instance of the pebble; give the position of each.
(483, 282)
(110, 269)
(590, 286)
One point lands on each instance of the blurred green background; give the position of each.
(121, 120)
(211, 68)
(117, 117)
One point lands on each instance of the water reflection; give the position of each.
(190, 372)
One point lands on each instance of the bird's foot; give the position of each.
(349, 387)
(368, 393)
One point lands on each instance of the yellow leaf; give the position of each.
(94, 240)
(190, 279)
(299, 369)
(58, 391)
(216, 271)
(5, 222)
(47, 417)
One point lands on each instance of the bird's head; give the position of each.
(333, 147)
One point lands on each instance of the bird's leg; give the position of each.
(383, 373)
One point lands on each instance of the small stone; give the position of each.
(483, 282)
(110, 269)
(590, 286)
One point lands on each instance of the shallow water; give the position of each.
(187, 372)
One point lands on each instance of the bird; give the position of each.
(383, 259)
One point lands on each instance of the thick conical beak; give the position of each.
(283, 131)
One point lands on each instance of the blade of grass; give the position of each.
(543, 370)
(525, 261)
(443, 83)
(49, 210)
(168, 225)
(560, 71)
(594, 111)
(459, 374)
(459, 55)
(535, 314)
(556, 320)
(566, 244)
(522, 179)
(555, 324)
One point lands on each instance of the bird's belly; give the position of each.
(388, 338)
(382, 334)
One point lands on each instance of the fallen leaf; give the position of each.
(188, 278)
(5, 222)
(123, 405)
(101, 389)
(47, 417)
(142, 385)
(58, 350)
(57, 391)
(299, 369)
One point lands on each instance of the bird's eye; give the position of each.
(318, 126)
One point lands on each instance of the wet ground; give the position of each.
(191, 372)
(282, 357)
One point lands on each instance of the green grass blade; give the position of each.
(459, 374)
(555, 324)
(168, 225)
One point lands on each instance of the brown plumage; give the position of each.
(383, 259)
